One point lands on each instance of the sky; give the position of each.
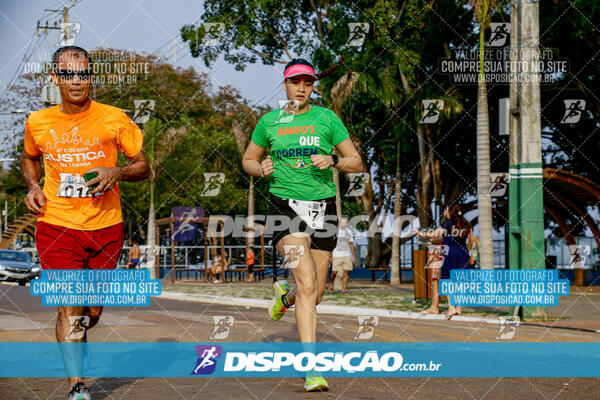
(134, 25)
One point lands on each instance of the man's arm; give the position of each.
(32, 173)
(353, 251)
(137, 170)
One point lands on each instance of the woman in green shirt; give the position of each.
(300, 139)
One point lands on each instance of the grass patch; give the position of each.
(366, 298)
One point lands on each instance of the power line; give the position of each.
(30, 50)
(167, 58)
(17, 73)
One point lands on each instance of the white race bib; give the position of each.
(311, 212)
(73, 185)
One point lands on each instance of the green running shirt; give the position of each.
(292, 140)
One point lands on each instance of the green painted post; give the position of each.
(526, 196)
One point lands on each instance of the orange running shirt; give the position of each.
(72, 144)
(250, 259)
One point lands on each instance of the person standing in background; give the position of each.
(344, 255)
(456, 233)
(250, 264)
(134, 255)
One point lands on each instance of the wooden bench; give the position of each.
(240, 271)
(196, 271)
(259, 273)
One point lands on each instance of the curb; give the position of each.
(226, 301)
(322, 308)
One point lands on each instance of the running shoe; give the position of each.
(315, 384)
(79, 392)
(276, 308)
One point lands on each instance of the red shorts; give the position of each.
(64, 248)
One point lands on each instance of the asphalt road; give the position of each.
(22, 318)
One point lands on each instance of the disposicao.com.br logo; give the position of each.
(286, 363)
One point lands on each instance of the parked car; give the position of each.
(17, 266)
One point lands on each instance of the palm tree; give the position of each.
(482, 11)
(339, 93)
(395, 273)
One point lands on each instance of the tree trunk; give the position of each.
(376, 250)
(395, 272)
(151, 239)
(484, 200)
(424, 187)
(339, 93)
(338, 195)
(435, 169)
(140, 228)
(251, 212)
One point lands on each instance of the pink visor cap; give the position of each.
(299, 69)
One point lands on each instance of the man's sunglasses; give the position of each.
(67, 74)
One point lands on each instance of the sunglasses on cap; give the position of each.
(67, 74)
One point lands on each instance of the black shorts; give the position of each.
(321, 239)
(250, 268)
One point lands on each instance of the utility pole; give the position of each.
(525, 197)
(5, 212)
(396, 267)
(51, 93)
(56, 26)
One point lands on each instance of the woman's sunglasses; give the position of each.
(67, 74)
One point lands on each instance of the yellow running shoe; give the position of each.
(276, 308)
(315, 384)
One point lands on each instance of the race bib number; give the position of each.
(73, 185)
(311, 212)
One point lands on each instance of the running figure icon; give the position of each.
(207, 359)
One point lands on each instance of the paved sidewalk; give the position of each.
(579, 310)
(23, 318)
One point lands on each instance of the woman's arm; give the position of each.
(470, 240)
(439, 232)
(348, 162)
(252, 161)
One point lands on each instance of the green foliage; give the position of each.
(396, 65)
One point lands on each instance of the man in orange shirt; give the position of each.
(79, 220)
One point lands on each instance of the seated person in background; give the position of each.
(225, 262)
(215, 270)
(220, 264)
